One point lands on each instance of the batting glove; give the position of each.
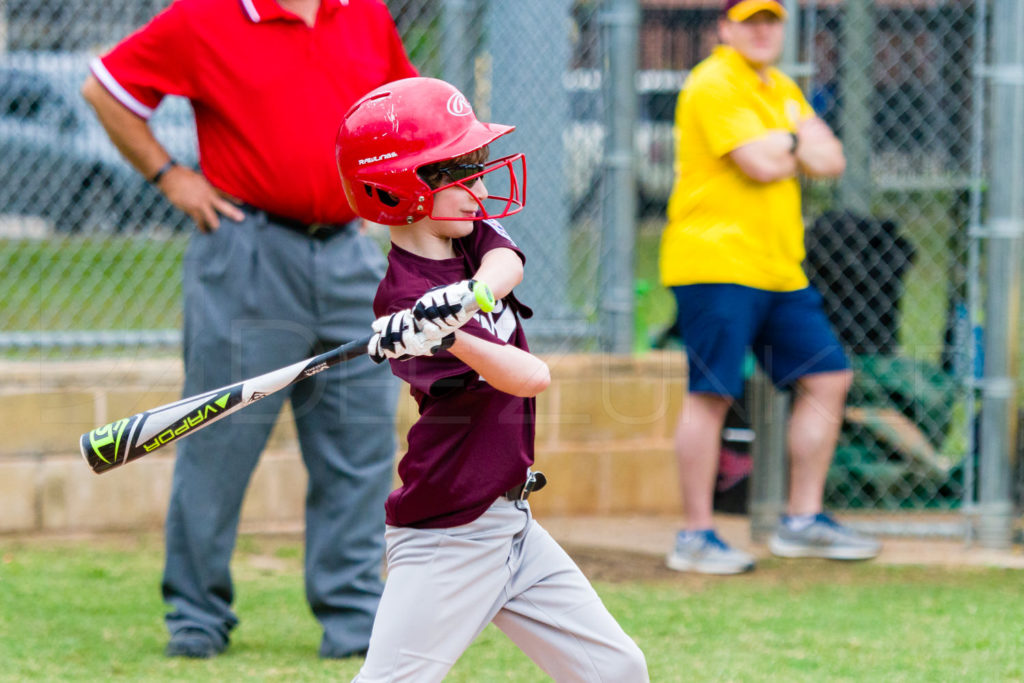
(399, 336)
(443, 306)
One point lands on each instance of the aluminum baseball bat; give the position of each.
(130, 438)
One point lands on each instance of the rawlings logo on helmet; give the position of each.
(382, 157)
(458, 105)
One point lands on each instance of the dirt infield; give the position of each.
(640, 542)
(607, 548)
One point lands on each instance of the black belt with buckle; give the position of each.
(535, 481)
(318, 231)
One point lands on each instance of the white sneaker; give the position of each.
(824, 537)
(705, 553)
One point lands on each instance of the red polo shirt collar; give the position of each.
(268, 10)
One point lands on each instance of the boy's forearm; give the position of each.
(504, 367)
(500, 269)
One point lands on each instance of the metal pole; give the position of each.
(970, 338)
(810, 28)
(3, 26)
(768, 407)
(1004, 234)
(458, 50)
(790, 63)
(856, 58)
(620, 24)
(769, 477)
(527, 90)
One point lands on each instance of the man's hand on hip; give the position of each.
(192, 193)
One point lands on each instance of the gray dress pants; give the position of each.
(258, 297)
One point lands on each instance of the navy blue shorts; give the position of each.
(787, 331)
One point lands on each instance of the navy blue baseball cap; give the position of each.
(741, 10)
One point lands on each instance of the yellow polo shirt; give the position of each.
(724, 227)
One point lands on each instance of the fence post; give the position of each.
(768, 479)
(857, 59)
(769, 408)
(457, 55)
(1003, 233)
(3, 26)
(619, 23)
(527, 90)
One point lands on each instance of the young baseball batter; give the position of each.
(462, 547)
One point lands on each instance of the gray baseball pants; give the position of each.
(258, 297)
(445, 585)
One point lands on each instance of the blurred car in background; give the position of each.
(59, 164)
(653, 139)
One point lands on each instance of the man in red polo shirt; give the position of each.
(276, 272)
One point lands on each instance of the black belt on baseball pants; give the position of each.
(535, 481)
(317, 231)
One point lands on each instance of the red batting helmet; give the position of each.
(402, 126)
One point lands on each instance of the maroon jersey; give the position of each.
(472, 442)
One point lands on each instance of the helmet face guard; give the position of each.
(397, 129)
(507, 173)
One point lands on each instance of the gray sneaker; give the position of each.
(824, 537)
(706, 553)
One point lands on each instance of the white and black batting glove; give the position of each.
(399, 336)
(443, 306)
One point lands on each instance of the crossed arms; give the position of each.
(771, 157)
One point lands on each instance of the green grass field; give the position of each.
(90, 610)
(133, 282)
(91, 283)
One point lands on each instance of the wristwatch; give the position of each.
(171, 163)
(795, 142)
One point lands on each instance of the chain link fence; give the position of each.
(894, 246)
(888, 245)
(79, 229)
(90, 254)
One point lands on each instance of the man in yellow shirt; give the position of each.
(732, 253)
